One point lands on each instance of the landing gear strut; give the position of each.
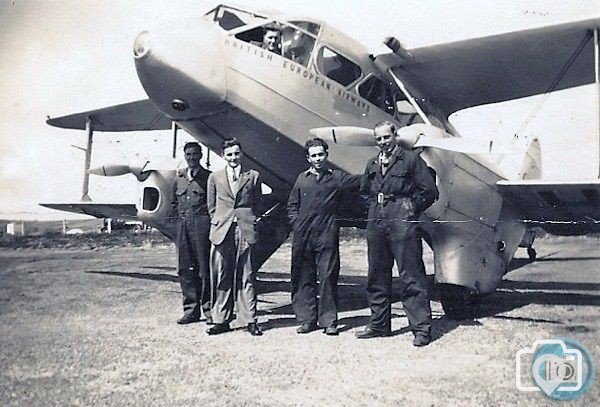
(527, 241)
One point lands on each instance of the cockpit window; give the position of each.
(312, 28)
(337, 67)
(230, 18)
(267, 36)
(289, 41)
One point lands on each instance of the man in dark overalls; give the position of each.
(193, 247)
(400, 187)
(312, 207)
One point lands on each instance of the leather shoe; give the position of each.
(306, 328)
(422, 340)
(254, 329)
(188, 319)
(331, 330)
(218, 329)
(368, 333)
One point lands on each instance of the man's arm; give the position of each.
(365, 183)
(350, 182)
(426, 191)
(293, 204)
(259, 205)
(173, 215)
(211, 195)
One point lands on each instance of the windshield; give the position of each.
(229, 18)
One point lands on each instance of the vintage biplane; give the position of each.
(210, 78)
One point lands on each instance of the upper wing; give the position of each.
(134, 116)
(99, 210)
(474, 72)
(560, 207)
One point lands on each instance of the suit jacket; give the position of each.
(224, 205)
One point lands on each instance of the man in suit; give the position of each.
(233, 200)
(188, 199)
(400, 187)
(312, 207)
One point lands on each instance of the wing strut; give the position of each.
(411, 99)
(174, 128)
(597, 76)
(88, 160)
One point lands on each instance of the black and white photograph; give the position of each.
(299, 203)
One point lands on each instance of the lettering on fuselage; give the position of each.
(311, 77)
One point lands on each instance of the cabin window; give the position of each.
(337, 67)
(378, 93)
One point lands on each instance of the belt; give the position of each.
(385, 198)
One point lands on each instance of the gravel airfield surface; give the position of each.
(97, 327)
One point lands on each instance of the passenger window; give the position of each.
(376, 92)
(297, 45)
(337, 67)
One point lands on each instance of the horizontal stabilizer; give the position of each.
(560, 207)
(140, 115)
(98, 210)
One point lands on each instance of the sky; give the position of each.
(60, 57)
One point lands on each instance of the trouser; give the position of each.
(312, 255)
(396, 240)
(193, 251)
(233, 279)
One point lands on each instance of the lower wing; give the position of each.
(559, 207)
(99, 210)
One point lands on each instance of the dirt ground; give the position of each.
(83, 327)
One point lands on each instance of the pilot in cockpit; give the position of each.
(271, 38)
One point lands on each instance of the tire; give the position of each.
(458, 301)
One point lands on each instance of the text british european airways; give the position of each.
(302, 71)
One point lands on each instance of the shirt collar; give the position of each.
(312, 171)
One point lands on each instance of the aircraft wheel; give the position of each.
(458, 301)
(531, 253)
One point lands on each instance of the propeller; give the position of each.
(408, 137)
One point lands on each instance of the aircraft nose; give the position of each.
(181, 68)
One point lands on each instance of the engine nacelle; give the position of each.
(154, 202)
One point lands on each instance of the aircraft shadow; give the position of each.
(143, 276)
(352, 297)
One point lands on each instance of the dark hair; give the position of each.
(386, 123)
(315, 142)
(194, 145)
(273, 26)
(230, 142)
